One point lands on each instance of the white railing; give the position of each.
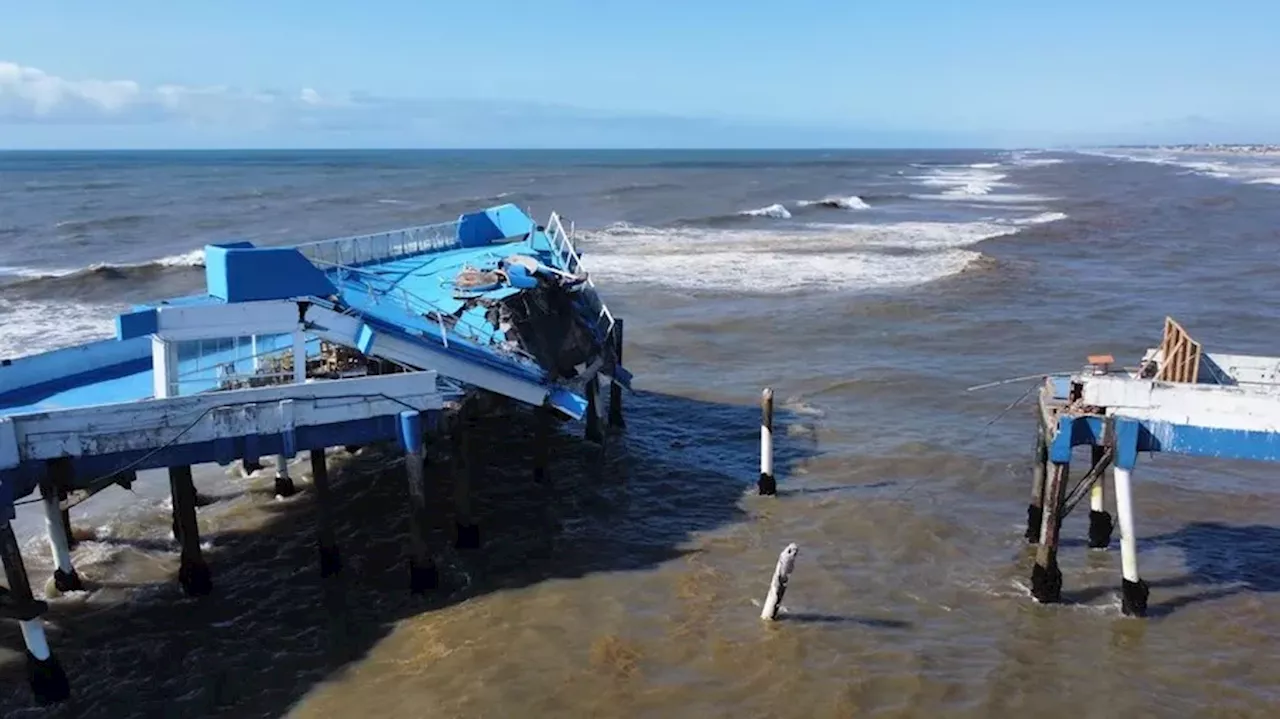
(562, 244)
(346, 252)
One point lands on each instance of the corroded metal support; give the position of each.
(1046, 577)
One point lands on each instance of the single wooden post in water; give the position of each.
(1100, 524)
(330, 559)
(284, 483)
(47, 679)
(615, 387)
(59, 474)
(193, 572)
(1039, 470)
(1046, 577)
(778, 585)
(594, 433)
(466, 531)
(423, 575)
(541, 435)
(767, 484)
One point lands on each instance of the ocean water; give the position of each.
(869, 289)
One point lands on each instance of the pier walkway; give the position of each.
(341, 342)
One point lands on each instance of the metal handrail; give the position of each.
(561, 242)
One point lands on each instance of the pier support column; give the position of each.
(423, 575)
(284, 483)
(615, 387)
(1046, 577)
(1100, 523)
(767, 485)
(58, 475)
(465, 464)
(1039, 471)
(594, 433)
(1133, 591)
(193, 573)
(47, 679)
(331, 578)
(541, 435)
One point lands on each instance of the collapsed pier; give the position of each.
(1180, 400)
(390, 337)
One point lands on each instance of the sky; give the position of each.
(648, 73)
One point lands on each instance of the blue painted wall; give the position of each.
(240, 272)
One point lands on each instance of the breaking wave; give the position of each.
(105, 270)
(814, 257)
(775, 211)
(852, 202)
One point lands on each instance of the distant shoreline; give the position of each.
(1261, 150)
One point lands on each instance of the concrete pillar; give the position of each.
(423, 574)
(59, 474)
(615, 388)
(1046, 577)
(47, 679)
(193, 573)
(767, 485)
(284, 483)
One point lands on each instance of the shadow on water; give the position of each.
(265, 638)
(811, 618)
(1222, 561)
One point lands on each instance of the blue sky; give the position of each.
(398, 73)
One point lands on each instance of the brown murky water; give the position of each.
(631, 587)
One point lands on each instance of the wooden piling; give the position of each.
(767, 485)
(423, 575)
(593, 432)
(1039, 470)
(193, 573)
(47, 679)
(331, 577)
(59, 474)
(1046, 577)
(615, 387)
(541, 436)
(465, 461)
(1101, 525)
(778, 585)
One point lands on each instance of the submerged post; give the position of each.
(1046, 577)
(284, 483)
(592, 388)
(1039, 469)
(615, 387)
(47, 679)
(778, 585)
(1100, 523)
(423, 575)
(466, 532)
(58, 475)
(767, 485)
(193, 572)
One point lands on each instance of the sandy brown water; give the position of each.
(631, 587)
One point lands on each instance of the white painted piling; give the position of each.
(778, 585)
(1100, 522)
(1134, 591)
(767, 485)
(33, 636)
(65, 578)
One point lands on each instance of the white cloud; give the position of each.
(27, 90)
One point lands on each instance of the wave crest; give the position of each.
(776, 211)
(852, 202)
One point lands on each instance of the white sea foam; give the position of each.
(776, 211)
(821, 256)
(852, 202)
(33, 327)
(1040, 219)
(1249, 169)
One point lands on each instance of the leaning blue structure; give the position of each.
(340, 342)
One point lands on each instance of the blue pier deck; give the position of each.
(1179, 400)
(339, 342)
